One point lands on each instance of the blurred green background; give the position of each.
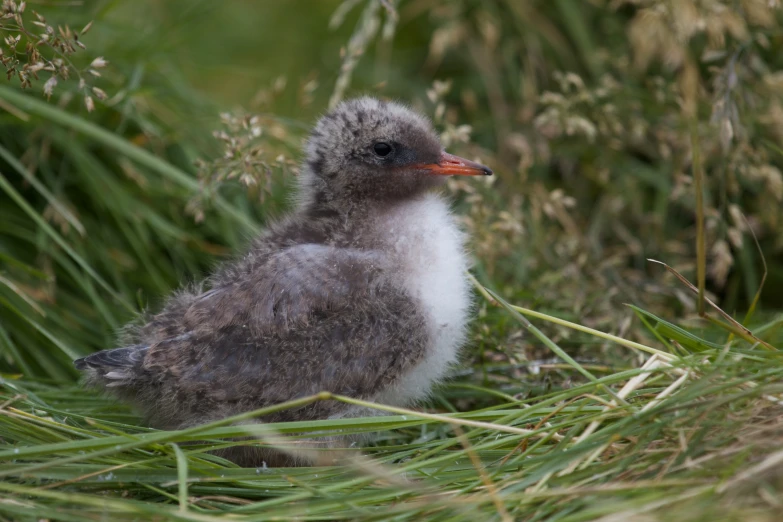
(121, 181)
(594, 114)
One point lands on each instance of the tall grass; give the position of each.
(591, 389)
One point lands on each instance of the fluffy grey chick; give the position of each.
(361, 291)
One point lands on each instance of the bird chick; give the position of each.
(361, 291)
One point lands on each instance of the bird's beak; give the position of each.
(451, 165)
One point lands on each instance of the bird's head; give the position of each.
(371, 149)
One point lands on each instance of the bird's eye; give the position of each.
(382, 149)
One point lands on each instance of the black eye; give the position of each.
(382, 149)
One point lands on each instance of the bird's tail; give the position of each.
(112, 368)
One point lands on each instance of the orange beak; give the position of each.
(451, 165)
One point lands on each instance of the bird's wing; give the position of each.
(355, 351)
(287, 289)
(310, 318)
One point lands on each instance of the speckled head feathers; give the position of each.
(342, 153)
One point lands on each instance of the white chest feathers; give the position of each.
(425, 239)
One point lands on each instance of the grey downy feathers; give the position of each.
(360, 291)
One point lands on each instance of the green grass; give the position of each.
(675, 435)
(591, 388)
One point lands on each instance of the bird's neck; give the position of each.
(319, 203)
(346, 212)
(359, 223)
